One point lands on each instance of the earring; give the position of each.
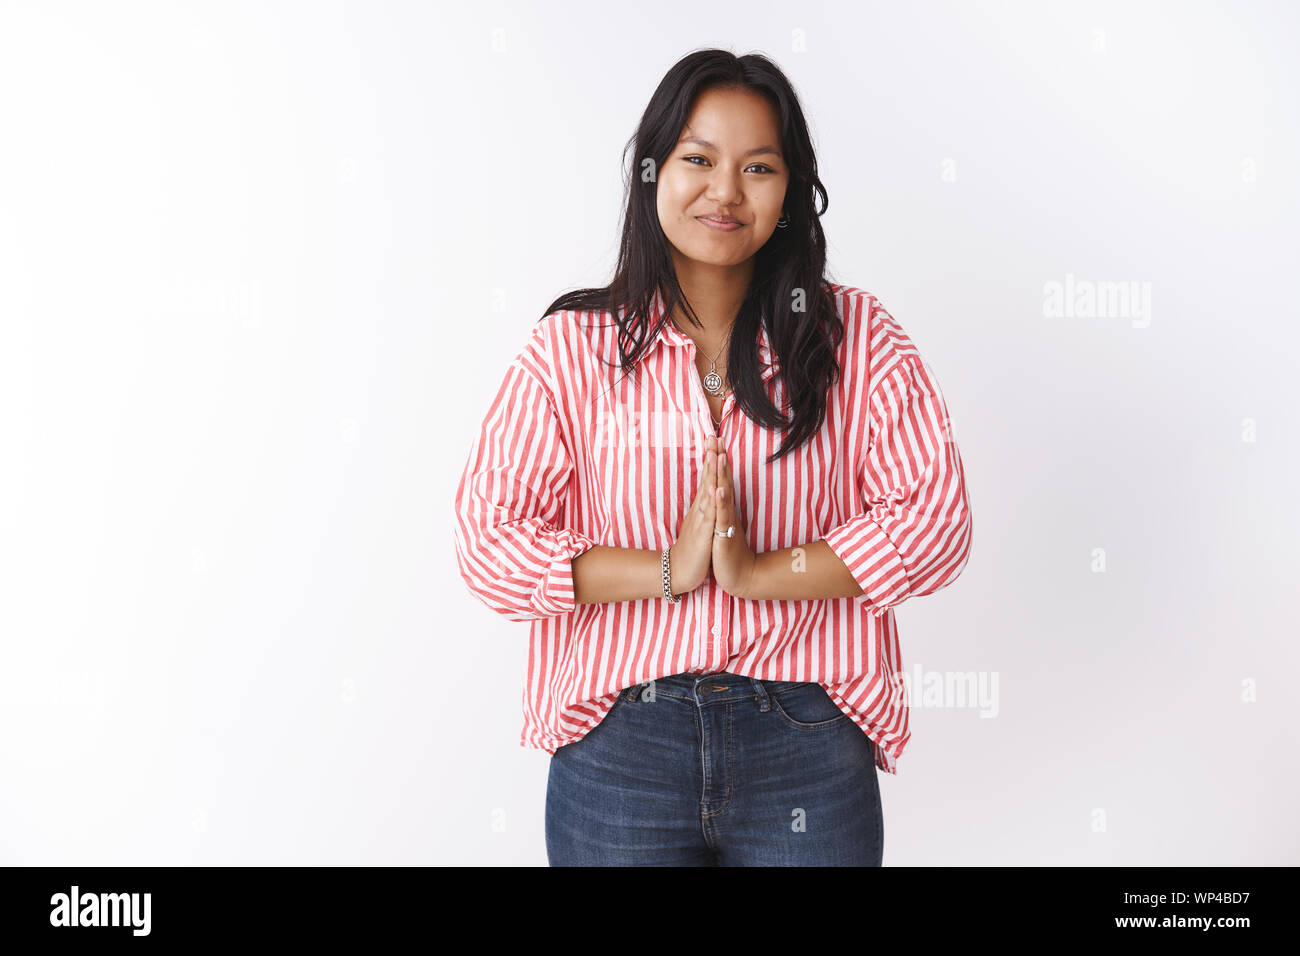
(782, 223)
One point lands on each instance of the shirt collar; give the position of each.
(670, 336)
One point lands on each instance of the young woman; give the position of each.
(707, 485)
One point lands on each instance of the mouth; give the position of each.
(725, 224)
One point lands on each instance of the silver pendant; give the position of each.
(713, 383)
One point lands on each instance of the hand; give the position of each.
(734, 562)
(692, 552)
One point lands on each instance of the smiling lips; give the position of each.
(721, 223)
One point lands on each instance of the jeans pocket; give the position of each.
(806, 706)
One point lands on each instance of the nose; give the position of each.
(723, 189)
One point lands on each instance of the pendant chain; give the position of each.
(713, 381)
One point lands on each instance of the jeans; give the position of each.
(717, 770)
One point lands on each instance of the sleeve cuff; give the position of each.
(555, 593)
(873, 561)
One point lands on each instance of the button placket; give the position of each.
(714, 652)
(719, 641)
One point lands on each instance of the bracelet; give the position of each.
(668, 591)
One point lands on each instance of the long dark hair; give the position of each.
(789, 290)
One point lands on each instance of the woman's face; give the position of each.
(727, 163)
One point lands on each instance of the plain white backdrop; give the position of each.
(263, 265)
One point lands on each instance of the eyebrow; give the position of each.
(707, 145)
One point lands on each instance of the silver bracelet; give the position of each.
(668, 577)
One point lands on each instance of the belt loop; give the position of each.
(761, 692)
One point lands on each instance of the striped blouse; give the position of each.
(573, 454)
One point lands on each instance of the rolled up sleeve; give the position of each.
(510, 550)
(911, 533)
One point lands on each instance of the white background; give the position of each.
(262, 266)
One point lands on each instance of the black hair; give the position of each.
(789, 292)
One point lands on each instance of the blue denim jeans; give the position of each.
(717, 770)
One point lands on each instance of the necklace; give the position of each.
(713, 381)
(713, 385)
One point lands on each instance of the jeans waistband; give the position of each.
(711, 687)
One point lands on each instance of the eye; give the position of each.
(766, 169)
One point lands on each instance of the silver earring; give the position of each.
(781, 223)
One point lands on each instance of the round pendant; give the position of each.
(713, 382)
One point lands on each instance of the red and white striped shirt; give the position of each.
(573, 454)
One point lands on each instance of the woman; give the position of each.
(707, 485)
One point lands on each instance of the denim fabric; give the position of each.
(717, 770)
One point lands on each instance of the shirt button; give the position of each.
(717, 628)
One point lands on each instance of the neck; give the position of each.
(715, 294)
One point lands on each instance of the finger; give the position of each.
(723, 511)
(705, 487)
(704, 470)
(710, 508)
(730, 496)
(722, 517)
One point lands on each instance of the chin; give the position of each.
(711, 256)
